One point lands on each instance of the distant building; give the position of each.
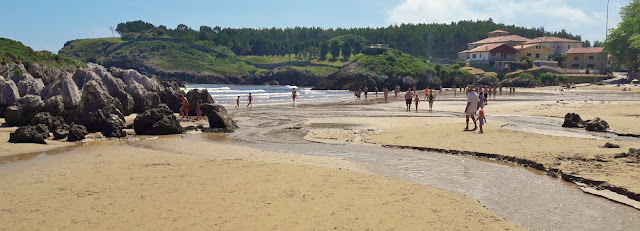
(375, 49)
(490, 52)
(499, 37)
(559, 45)
(534, 51)
(592, 58)
(498, 33)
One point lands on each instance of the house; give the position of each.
(499, 37)
(375, 49)
(534, 51)
(592, 58)
(490, 52)
(559, 45)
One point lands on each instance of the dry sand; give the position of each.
(118, 185)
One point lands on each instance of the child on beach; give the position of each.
(238, 102)
(482, 120)
(198, 111)
(417, 100)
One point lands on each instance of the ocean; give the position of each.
(226, 94)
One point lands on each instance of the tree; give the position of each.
(335, 48)
(138, 26)
(586, 43)
(597, 44)
(623, 43)
(324, 50)
(346, 51)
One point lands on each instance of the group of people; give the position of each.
(185, 107)
(411, 93)
(476, 100)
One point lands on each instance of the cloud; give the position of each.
(554, 15)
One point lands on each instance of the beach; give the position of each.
(277, 172)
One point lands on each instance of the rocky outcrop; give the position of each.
(142, 98)
(198, 94)
(116, 87)
(597, 125)
(65, 87)
(350, 77)
(46, 74)
(157, 121)
(151, 84)
(573, 120)
(8, 92)
(100, 111)
(288, 75)
(218, 117)
(24, 110)
(55, 106)
(27, 134)
(76, 133)
(52, 123)
(27, 85)
(171, 95)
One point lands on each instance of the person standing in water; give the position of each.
(238, 102)
(408, 97)
(431, 98)
(417, 100)
(386, 94)
(250, 100)
(366, 90)
(294, 93)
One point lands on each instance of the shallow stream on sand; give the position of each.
(524, 196)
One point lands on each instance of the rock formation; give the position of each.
(218, 117)
(26, 134)
(24, 110)
(100, 111)
(157, 121)
(194, 95)
(597, 125)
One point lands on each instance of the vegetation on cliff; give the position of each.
(15, 52)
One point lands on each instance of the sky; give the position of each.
(47, 25)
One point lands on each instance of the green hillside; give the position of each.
(15, 52)
(90, 50)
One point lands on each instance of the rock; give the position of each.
(55, 106)
(351, 77)
(60, 134)
(171, 96)
(218, 116)
(43, 130)
(15, 73)
(51, 122)
(81, 77)
(41, 71)
(597, 125)
(142, 98)
(25, 109)
(196, 94)
(29, 85)
(610, 145)
(65, 87)
(288, 75)
(9, 94)
(573, 120)
(26, 134)
(157, 121)
(116, 87)
(151, 84)
(100, 111)
(76, 133)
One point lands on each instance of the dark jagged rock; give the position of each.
(350, 77)
(26, 134)
(115, 87)
(196, 94)
(8, 92)
(52, 122)
(60, 134)
(157, 121)
(218, 116)
(597, 125)
(573, 120)
(43, 130)
(76, 133)
(171, 96)
(25, 109)
(142, 98)
(288, 75)
(610, 145)
(46, 74)
(100, 111)
(66, 88)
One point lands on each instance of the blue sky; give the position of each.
(47, 25)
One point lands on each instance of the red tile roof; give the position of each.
(498, 31)
(501, 39)
(485, 48)
(552, 40)
(525, 46)
(586, 50)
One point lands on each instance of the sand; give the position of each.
(8, 149)
(117, 185)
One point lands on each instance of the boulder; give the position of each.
(100, 111)
(157, 121)
(25, 109)
(51, 122)
(65, 87)
(27, 85)
(151, 84)
(350, 77)
(218, 116)
(597, 125)
(15, 73)
(610, 145)
(142, 98)
(196, 94)
(55, 106)
(43, 130)
(82, 76)
(8, 92)
(46, 74)
(60, 134)
(76, 133)
(573, 120)
(171, 96)
(115, 87)
(26, 134)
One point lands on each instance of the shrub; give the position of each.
(462, 63)
(18, 72)
(456, 66)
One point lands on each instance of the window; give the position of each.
(529, 54)
(537, 56)
(474, 56)
(590, 57)
(569, 46)
(591, 65)
(575, 65)
(538, 47)
(575, 57)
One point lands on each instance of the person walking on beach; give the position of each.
(408, 97)
(238, 102)
(453, 88)
(417, 100)
(386, 94)
(184, 110)
(440, 92)
(198, 110)
(472, 107)
(250, 100)
(431, 98)
(366, 90)
(396, 91)
(481, 98)
(426, 93)
(485, 93)
(482, 120)
(376, 89)
(294, 93)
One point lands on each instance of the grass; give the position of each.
(393, 62)
(278, 59)
(479, 72)
(15, 52)
(318, 70)
(91, 50)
